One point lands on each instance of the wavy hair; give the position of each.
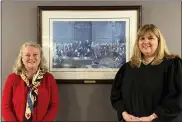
(19, 66)
(161, 51)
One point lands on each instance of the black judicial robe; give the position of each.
(149, 89)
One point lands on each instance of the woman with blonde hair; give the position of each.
(149, 86)
(30, 92)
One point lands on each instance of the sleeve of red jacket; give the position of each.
(54, 101)
(7, 105)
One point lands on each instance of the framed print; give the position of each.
(87, 43)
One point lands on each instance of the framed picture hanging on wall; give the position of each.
(87, 43)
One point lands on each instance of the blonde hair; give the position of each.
(19, 66)
(161, 51)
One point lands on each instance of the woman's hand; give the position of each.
(128, 117)
(148, 118)
(145, 119)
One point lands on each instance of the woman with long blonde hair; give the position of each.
(149, 86)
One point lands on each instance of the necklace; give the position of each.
(145, 62)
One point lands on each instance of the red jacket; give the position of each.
(14, 99)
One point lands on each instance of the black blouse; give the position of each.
(149, 89)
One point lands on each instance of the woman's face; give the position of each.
(148, 44)
(31, 57)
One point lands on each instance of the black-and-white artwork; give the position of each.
(89, 44)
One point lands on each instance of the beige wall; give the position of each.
(81, 102)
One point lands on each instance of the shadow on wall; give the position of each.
(68, 107)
